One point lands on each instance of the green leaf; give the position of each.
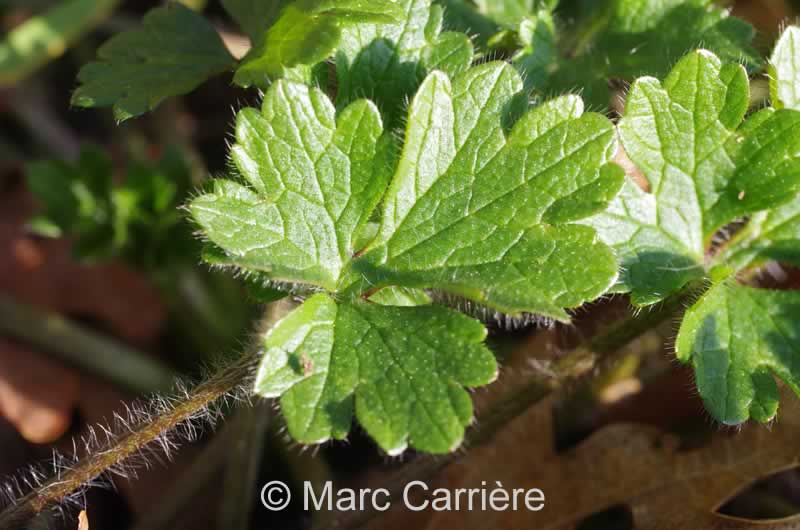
(386, 62)
(702, 171)
(360, 11)
(630, 38)
(312, 180)
(297, 38)
(736, 337)
(254, 16)
(401, 297)
(461, 15)
(76, 200)
(174, 51)
(506, 12)
(485, 214)
(538, 56)
(784, 70)
(773, 234)
(305, 33)
(328, 359)
(137, 220)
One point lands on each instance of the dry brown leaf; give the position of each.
(83, 521)
(623, 464)
(36, 395)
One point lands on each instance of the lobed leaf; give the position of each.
(328, 359)
(736, 337)
(311, 181)
(173, 52)
(703, 171)
(485, 214)
(386, 62)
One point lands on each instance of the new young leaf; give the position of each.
(703, 170)
(327, 358)
(485, 213)
(173, 52)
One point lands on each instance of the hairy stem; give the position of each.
(120, 448)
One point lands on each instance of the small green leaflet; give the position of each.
(313, 179)
(537, 57)
(486, 214)
(327, 359)
(703, 169)
(774, 234)
(173, 52)
(784, 70)
(306, 33)
(386, 62)
(770, 235)
(736, 337)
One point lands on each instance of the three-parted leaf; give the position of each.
(327, 359)
(704, 170)
(736, 338)
(386, 62)
(173, 52)
(312, 179)
(485, 213)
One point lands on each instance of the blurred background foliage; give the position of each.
(103, 298)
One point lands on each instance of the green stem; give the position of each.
(43, 38)
(89, 351)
